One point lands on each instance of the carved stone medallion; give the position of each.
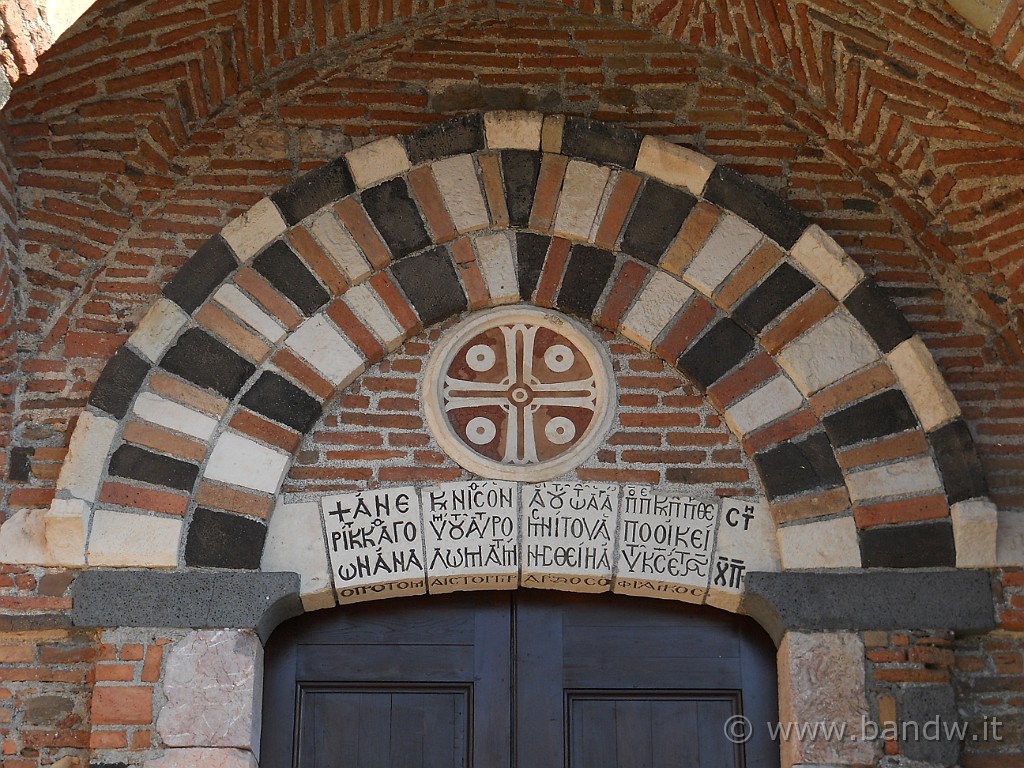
(519, 394)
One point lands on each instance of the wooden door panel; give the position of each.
(649, 731)
(375, 728)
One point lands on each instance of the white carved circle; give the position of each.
(519, 393)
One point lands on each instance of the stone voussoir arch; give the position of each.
(190, 428)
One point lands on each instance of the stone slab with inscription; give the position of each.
(375, 544)
(471, 534)
(745, 542)
(666, 544)
(569, 535)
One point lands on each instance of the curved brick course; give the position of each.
(813, 368)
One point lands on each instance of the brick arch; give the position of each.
(838, 403)
(858, 120)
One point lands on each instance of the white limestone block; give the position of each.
(498, 265)
(158, 329)
(365, 304)
(774, 400)
(923, 384)
(569, 534)
(376, 161)
(295, 542)
(213, 685)
(66, 521)
(582, 192)
(822, 680)
(660, 301)
(745, 542)
(975, 522)
(237, 460)
(460, 189)
(904, 477)
(375, 544)
(126, 539)
(23, 538)
(203, 757)
(729, 244)
(247, 310)
(834, 348)
(513, 129)
(830, 543)
(1009, 539)
(665, 545)
(827, 262)
(86, 459)
(255, 229)
(471, 535)
(167, 413)
(319, 344)
(675, 165)
(340, 246)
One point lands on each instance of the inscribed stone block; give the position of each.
(569, 535)
(375, 544)
(665, 545)
(471, 535)
(745, 542)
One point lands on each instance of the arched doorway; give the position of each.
(524, 678)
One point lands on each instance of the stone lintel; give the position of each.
(196, 599)
(815, 601)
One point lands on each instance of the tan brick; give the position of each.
(186, 394)
(233, 500)
(122, 705)
(691, 237)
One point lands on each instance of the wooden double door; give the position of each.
(525, 679)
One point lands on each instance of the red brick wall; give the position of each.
(665, 433)
(122, 175)
(24, 35)
(8, 304)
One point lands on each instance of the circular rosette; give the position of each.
(518, 394)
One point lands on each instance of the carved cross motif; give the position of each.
(527, 384)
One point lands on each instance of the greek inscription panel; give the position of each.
(569, 535)
(745, 542)
(471, 533)
(375, 544)
(666, 545)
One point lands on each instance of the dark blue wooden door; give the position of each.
(528, 679)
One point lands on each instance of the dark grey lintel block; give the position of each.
(201, 274)
(587, 272)
(655, 221)
(278, 399)
(600, 142)
(716, 353)
(201, 359)
(910, 545)
(191, 599)
(136, 463)
(827, 601)
(959, 465)
(779, 291)
(458, 136)
(432, 285)
(531, 251)
(120, 380)
(760, 206)
(19, 467)
(285, 271)
(396, 217)
(880, 317)
(799, 466)
(883, 414)
(312, 191)
(224, 540)
(520, 170)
